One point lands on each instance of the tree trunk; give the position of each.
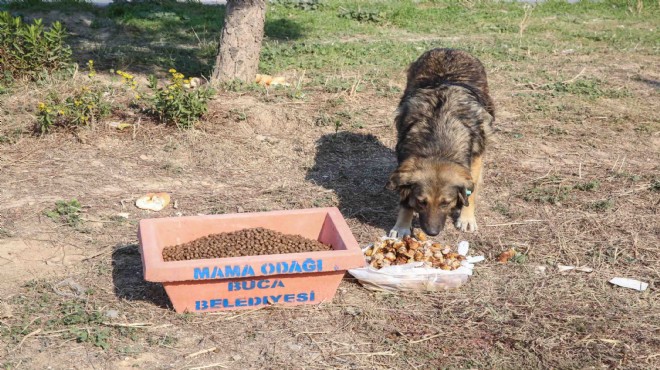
(240, 43)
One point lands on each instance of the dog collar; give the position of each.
(468, 192)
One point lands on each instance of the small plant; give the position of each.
(592, 185)
(77, 315)
(338, 125)
(98, 337)
(86, 106)
(67, 212)
(299, 4)
(502, 209)
(363, 15)
(547, 194)
(30, 50)
(519, 257)
(175, 103)
(238, 114)
(655, 185)
(588, 87)
(601, 205)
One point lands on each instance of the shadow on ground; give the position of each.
(146, 36)
(356, 167)
(128, 279)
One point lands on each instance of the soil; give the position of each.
(246, 242)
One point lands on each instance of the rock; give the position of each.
(113, 314)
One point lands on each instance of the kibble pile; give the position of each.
(246, 242)
(416, 248)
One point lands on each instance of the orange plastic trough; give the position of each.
(247, 282)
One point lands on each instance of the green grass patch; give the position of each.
(67, 212)
(368, 36)
(591, 88)
(601, 205)
(592, 185)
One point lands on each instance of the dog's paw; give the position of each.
(466, 223)
(399, 232)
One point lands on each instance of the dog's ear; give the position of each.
(463, 193)
(403, 176)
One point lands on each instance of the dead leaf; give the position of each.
(506, 255)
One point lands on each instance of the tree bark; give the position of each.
(240, 43)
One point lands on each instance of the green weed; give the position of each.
(547, 194)
(176, 104)
(83, 108)
(556, 131)
(591, 88)
(30, 50)
(592, 185)
(601, 205)
(67, 212)
(362, 15)
(655, 185)
(502, 209)
(238, 115)
(519, 257)
(299, 4)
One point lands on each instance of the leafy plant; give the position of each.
(592, 185)
(67, 212)
(363, 15)
(31, 50)
(601, 205)
(299, 4)
(75, 313)
(98, 337)
(176, 103)
(547, 194)
(86, 106)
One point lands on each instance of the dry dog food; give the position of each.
(413, 249)
(246, 242)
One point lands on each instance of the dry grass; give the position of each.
(261, 151)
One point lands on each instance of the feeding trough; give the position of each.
(204, 285)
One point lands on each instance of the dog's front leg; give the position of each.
(466, 221)
(403, 222)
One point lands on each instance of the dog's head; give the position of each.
(431, 188)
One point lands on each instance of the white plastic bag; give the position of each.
(413, 277)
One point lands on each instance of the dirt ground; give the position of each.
(574, 182)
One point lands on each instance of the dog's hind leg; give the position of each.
(403, 222)
(466, 221)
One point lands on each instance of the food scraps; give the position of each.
(153, 201)
(409, 249)
(506, 256)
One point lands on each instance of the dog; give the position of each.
(444, 121)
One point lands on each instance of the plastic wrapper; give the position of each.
(414, 277)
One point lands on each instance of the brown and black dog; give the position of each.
(444, 121)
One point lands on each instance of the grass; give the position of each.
(166, 34)
(568, 180)
(67, 212)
